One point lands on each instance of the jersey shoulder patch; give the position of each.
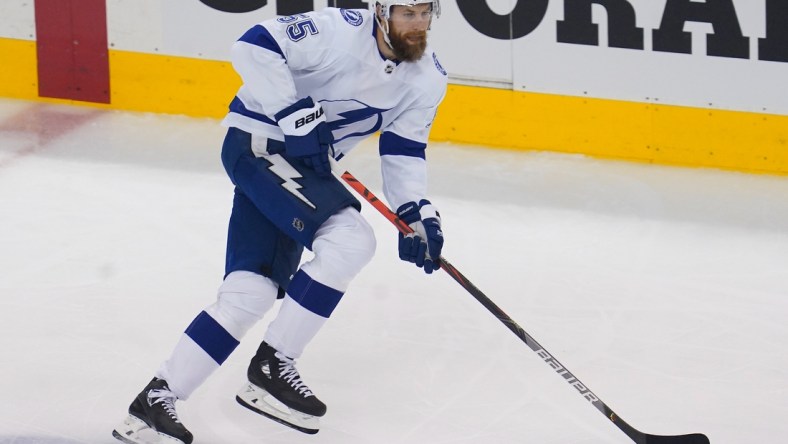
(352, 16)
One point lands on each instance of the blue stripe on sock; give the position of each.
(212, 337)
(312, 295)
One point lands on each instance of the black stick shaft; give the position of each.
(637, 436)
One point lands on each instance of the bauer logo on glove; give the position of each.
(311, 117)
(307, 136)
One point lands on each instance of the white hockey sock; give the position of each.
(305, 309)
(243, 299)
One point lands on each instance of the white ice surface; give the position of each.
(663, 289)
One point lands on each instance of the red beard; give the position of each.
(407, 50)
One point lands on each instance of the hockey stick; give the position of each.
(636, 435)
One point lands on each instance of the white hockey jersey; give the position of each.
(332, 56)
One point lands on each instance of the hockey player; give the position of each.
(314, 85)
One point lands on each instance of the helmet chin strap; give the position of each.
(385, 29)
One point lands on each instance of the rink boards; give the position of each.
(627, 90)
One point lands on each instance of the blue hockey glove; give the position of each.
(423, 246)
(307, 135)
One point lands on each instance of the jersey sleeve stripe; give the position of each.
(394, 144)
(237, 106)
(258, 35)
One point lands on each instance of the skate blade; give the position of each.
(135, 431)
(260, 401)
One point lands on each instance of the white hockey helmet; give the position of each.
(385, 6)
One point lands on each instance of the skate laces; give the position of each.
(167, 400)
(288, 372)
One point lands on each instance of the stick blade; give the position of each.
(695, 438)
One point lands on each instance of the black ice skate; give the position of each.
(152, 418)
(275, 390)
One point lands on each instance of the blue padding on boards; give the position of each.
(312, 295)
(212, 337)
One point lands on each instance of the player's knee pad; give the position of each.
(343, 245)
(244, 298)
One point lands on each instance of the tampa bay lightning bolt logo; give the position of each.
(351, 118)
(352, 17)
(438, 64)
